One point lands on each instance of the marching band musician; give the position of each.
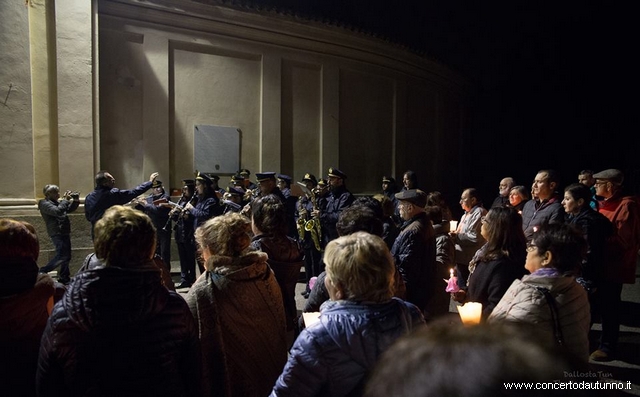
(219, 191)
(306, 204)
(207, 206)
(247, 184)
(184, 235)
(284, 184)
(232, 199)
(338, 199)
(267, 184)
(159, 214)
(237, 181)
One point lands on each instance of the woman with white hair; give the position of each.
(333, 356)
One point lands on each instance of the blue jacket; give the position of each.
(102, 198)
(337, 201)
(333, 356)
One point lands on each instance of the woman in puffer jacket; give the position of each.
(333, 356)
(551, 290)
(118, 331)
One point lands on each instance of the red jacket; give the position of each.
(622, 247)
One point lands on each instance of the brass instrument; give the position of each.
(250, 194)
(301, 219)
(313, 225)
(248, 197)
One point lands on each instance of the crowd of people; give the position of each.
(373, 266)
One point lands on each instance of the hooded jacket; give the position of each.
(238, 307)
(119, 332)
(333, 356)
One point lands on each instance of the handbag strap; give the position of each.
(551, 301)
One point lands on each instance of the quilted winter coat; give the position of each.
(525, 303)
(333, 356)
(119, 332)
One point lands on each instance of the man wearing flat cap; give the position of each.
(621, 253)
(414, 250)
(339, 198)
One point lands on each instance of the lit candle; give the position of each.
(452, 283)
(470, 313)
(453, 225)
(535, 229)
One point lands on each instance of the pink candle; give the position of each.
(452, 283)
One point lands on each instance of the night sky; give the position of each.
(552, 81)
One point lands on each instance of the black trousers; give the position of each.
(609, 304)
(187, 254)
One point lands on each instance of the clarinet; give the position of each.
(178, 209)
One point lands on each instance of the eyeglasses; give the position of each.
(600, 183)
(531, 246)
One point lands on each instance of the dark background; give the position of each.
(553, 83)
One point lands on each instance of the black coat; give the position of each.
(119, 332)
(491, 279)
(414, 252)
(339, 199)
(596, 229)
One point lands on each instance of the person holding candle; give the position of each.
(497, 263)
(445, 251)
(550, 298)
(414, 250)
(333, 356)
(467, 236)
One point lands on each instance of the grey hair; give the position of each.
(50, 188)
